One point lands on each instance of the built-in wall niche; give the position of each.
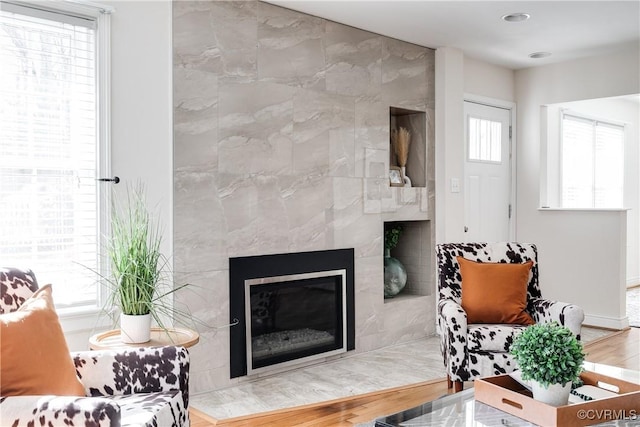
(414, 251)
(416, 123)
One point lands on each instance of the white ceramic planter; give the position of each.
(555, 395)
(135, 329)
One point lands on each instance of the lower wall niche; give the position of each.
(414, 251)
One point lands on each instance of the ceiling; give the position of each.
(566, 29)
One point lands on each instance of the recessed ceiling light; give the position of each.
(538, 55)
(516, 17)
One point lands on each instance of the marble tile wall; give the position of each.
(281, 144)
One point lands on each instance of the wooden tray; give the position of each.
(508, 395)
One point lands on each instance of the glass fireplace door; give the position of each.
(295, 317)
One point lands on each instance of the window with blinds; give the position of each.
(485, 140)
(49, 148)
(592, 163)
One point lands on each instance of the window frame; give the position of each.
(594, 121)
(84, 317)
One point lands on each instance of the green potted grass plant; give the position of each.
(139, 281)
(551, 357)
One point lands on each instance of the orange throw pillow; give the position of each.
(34, 357)
(495, 292)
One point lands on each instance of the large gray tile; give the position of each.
(235, 26)
(195, 118)
(254, 213)
(342, 152)
(290, 47)
(194, 44)
(307, 216)
(216, 36)
(353, 60)
(199, 226)
(322, 125)
(255, 128)
(404, 74)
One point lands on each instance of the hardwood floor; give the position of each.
(621, 349)
(341, 412)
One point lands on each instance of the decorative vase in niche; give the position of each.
(407, 180)
(135, 329)
(395, 275)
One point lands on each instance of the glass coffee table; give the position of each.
(453, 410)
(462, 410)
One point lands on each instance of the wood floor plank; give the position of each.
(621, 349)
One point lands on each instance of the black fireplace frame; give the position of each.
(253, 267)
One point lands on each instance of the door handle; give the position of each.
(115, 179)
(466, 228)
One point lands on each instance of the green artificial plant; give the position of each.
(548, 353)
(139, 281)
(392, 236)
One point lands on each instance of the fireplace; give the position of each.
(290, 309)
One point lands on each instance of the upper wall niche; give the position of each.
(415, 122)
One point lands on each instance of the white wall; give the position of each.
(582, 261)
(488, 80)
(449, 143)
(457, 76)
(591, 244)
(141, 96)
(615, 110)
(141, 121)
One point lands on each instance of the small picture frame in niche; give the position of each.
(395, 177)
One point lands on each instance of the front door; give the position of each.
(487, 173)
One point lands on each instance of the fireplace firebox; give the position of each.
(290, 308)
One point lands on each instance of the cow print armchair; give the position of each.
(141, 387)
(471, 350)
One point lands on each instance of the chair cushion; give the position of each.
(16, 285)
(493, 338)
(152, 409)
(34, 357)
(449, 280)
(495, 292)
(58, 411)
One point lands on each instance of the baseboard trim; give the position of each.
(606, 322)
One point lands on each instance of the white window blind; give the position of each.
(592, 163)
(49, 215)
(485, 140)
